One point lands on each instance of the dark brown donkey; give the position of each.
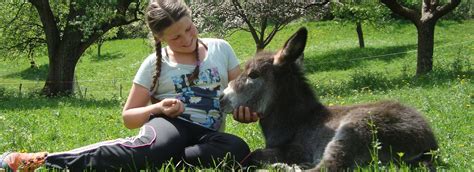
(298, 129)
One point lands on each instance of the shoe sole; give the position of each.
(3, 165)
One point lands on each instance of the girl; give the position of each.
(183, 124)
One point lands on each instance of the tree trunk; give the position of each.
(425, 48)
(425, 24)
(259, 48)
(66, 45)
(99, 45)
(62, 64)
(60, 81)
(259, 45)
(360, 34)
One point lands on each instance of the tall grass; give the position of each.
(339, 71)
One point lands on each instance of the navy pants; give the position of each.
(161, 140)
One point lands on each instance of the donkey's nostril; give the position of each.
(223, 100)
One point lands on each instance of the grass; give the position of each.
(339, 71)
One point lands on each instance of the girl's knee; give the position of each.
(237, 146)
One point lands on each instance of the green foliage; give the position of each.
(94, 14)
(375, 146)
(134, 30)
(109, 35)
(68, 28)
(373, 13)
(464, 11)
(339, 72)
(20, 30)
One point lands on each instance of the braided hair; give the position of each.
(195, 73)
(161, 14)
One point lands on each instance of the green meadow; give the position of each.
(340, 72)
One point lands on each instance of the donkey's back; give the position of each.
(384, 130)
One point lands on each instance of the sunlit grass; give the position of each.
(339, 71)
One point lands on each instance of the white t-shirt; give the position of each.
(202, 99)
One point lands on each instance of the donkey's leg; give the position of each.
(289, 154)
(261, 157)
(348, 148)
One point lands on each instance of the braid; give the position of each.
(195, 73)
(155, 83)
(161, 14)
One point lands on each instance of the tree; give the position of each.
(425, 21)
(109, 35)
(254, 17)
(359, 12)
(20, 32)
(67, 28)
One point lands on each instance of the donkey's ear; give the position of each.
(293, 48)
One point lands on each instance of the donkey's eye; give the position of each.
(253, 75)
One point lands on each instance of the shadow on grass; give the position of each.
(354, 57)
(40, 73)
(10, 101)
(107, 56)
(378, 81)
(36, 74)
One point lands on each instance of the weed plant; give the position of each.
(339, 71)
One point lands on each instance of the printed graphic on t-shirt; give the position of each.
(201, 99)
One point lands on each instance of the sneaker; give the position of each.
(22, 161)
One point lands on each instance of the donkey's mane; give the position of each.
(294, 97)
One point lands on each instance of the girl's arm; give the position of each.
(137, 111)
(234, 73)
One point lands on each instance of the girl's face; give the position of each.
(181, 36)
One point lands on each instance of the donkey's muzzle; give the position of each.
(225, 104)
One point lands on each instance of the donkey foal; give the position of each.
(298, 129)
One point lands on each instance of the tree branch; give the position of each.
(33, 24)
(22, 44)
(271, 35)
(244, 29)
(49, 24)
(16, 15)
(316, 4)
(410, 14)
(263, 26)
(118, 20)
(231, 32)
(427, 6)
(241, 13)
(443, 10)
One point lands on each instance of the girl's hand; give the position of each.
(243, 115)
(170, 107)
